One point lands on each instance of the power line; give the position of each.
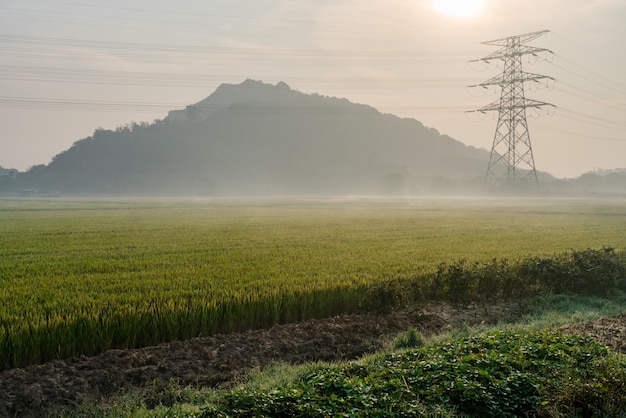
(605, 123)
(73, 105)
(226, 50)
(578, 134)
(607, 84)
(81, 105)
(590, 74)
(584, 94)
(151, 78)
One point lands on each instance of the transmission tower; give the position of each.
(511, 163)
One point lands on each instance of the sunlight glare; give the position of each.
(459, 8)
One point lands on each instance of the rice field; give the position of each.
(79, 276)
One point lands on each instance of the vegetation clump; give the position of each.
(597, 272)
(506, 373)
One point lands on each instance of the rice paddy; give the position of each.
(79, 276)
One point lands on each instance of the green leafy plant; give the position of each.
(507, 373)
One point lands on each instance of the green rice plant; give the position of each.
(79, 276)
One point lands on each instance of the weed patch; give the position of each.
(505, 373)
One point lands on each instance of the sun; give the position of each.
(459, 8)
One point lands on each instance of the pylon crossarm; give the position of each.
(511, 52)
(527, 37)
(511, 105)
(535, 103)
(520, 77)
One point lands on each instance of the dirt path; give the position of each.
(610, 331)
(36, 390)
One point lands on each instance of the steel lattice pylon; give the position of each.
(511, 163)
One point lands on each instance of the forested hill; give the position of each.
(258, 139)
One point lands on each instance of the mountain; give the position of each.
(7, 171)
(255, 138)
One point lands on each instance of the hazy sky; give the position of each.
(69, 67)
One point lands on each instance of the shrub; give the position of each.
(586, 272)
(382, 297)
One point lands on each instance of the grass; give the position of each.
(81, 276)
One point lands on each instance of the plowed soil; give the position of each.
(38, 390)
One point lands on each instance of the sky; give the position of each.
(70, 67)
